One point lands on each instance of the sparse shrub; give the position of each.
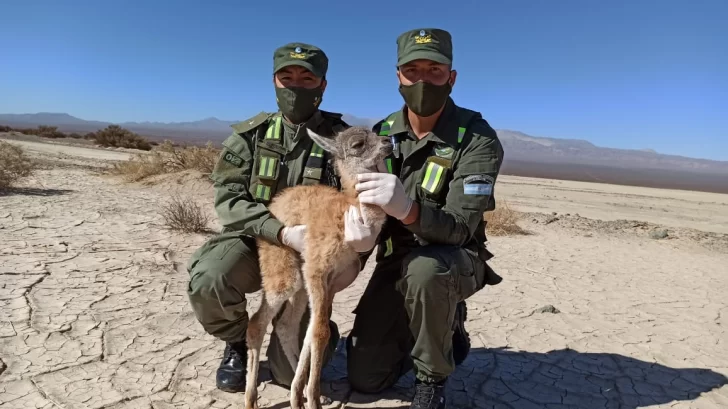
(75, 135)
(190, 157)
(503, 221)
(27, 131)
(184, 215)
(14, 164)
(45, 131)
(118, 137)
(168, 158)
(5, 128)
(140, 166)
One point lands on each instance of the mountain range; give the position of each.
(526, 155)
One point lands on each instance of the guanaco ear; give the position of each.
(325, 143)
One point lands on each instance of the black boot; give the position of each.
(429, 395)
(460, 338)
(232, 370)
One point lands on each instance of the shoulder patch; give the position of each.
(232, 159)
(478, 184)
(251, 123)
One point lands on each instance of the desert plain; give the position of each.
(611, 298)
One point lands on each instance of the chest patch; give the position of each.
(479, 185)
(444, 151)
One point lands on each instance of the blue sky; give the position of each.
(626, 74)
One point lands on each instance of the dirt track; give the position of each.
(93, 311)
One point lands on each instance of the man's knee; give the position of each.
(222, 264)
(441, 271)
(221, 273)
(427, 270)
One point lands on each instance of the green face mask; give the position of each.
(298, 103)
(423, 98)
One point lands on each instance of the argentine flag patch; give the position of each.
(478, 185)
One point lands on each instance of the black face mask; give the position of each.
(424, 98)
(298, 103)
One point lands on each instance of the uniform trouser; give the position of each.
(222, 271)
(405, 317)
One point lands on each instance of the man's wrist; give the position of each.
(272, 230)
(412, 215)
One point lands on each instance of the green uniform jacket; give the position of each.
(451, 173)
(262, 156)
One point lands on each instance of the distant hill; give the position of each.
(526, 155)
(206, 129)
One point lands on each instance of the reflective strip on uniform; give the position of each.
(317, 151)
(274, 129)
(388, 161)
(432, 176)
(262, 192)
(267, 166)
(461, 134)
(389, 247)
(386, 126)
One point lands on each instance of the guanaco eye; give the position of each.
(357, 145)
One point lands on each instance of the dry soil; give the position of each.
(612, 301)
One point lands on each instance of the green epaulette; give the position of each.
(338, 123)
(331, 114)
(251, 123)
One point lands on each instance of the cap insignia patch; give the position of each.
(298, 54)
(423, 38)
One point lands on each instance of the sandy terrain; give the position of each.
(93, 311)
(65, 151)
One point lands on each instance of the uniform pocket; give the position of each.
(470, 273)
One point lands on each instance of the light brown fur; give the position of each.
(326, 266)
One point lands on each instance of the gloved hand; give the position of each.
(357, 232)
(293, 237)
(386, 191)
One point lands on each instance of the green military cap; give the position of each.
(305, 55)
(426, 43)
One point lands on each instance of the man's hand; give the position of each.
(293, 237)
(357, 232)
(386, 191)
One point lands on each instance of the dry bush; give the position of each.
(139, 167)
(503, 221)
(185, 215)
(118, 137)
(13, 164)
(190, 157)
(45, 131)
(168, 158)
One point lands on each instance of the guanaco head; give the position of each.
(356, 150)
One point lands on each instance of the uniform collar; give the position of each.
(445, 130)
(297, 130)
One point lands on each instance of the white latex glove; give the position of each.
(293, 237)
(386, 191)
(357, 232)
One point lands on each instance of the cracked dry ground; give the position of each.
(93, 314)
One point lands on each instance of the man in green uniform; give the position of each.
(264, 154)
(431, 254)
